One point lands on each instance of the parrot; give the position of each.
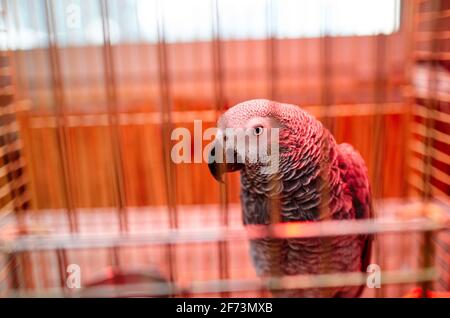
(317, 179)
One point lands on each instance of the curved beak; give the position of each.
(219, 167)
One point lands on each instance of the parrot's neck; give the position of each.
(306, 187)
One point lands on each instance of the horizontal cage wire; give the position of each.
(91, 93)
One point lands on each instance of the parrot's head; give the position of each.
(262, 138)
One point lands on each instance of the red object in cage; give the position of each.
(417, 293)
(113, 278)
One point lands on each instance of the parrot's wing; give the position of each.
(354, 174)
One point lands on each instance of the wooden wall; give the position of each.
(348, 70)
(92, 178)
(359, 81)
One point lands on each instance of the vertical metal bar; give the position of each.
(113, 118)
(272, 73)
(59, 102)
(166, 126)
(428, 252)
(407, 13)
(61, 256)
(219, 106)
(115, 258)
(378, 136)
(72, 139)
(407, 16)
(379, 100)
(218, 71)
(13, 271)
(271, 49)
(327, 117)
(326, 69)
(166, 116)
(431, 105)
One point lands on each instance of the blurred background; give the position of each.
(90, 92)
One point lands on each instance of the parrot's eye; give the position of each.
(257, 130)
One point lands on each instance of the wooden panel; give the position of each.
(90, 146)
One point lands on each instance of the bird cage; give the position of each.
(91, 91)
